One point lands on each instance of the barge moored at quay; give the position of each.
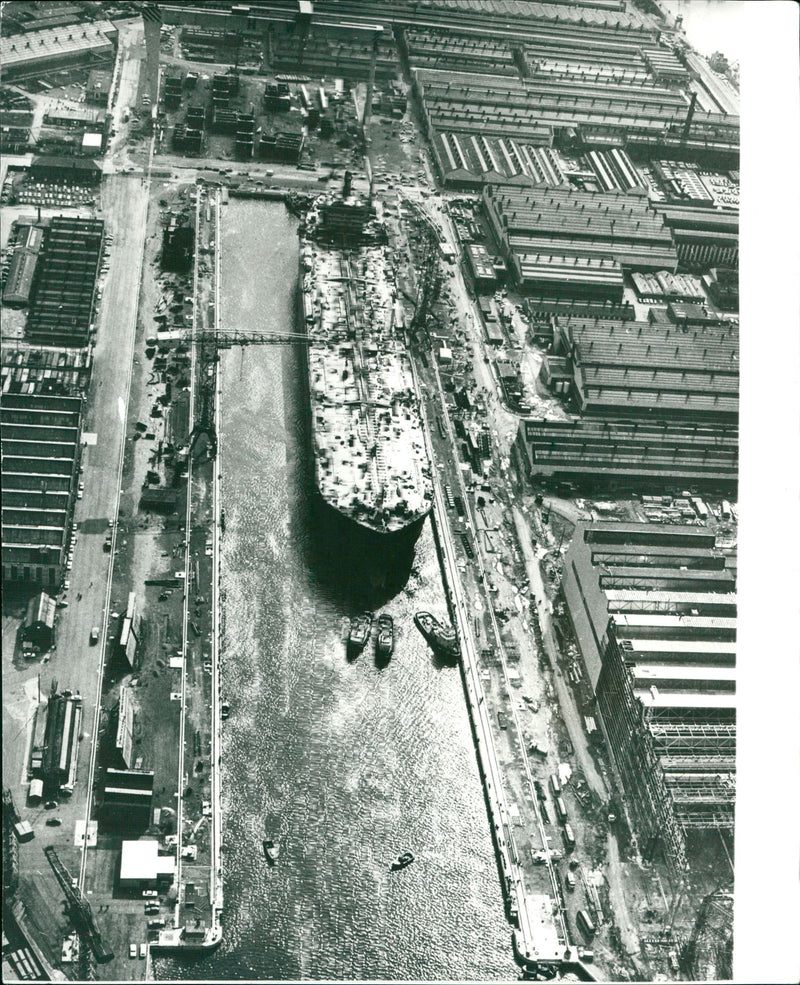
(371, 471)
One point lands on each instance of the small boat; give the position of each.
(384, 647)
(271, 850)
(441, 639)
(402, 861)
(360, 629)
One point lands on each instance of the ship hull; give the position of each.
(364, 556)
(357, 560)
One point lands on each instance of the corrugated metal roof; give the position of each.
(681, 646)
(681, 672)
(635, 619)
(695, 700)
(20, 50)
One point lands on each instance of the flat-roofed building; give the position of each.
(653, 610)
(142, 867)
(56, 168)
(481, 266)
(127, 799)
(98, 86)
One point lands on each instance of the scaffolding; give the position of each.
(10, 846)
(696, 738)
(637, 762)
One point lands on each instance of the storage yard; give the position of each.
(560, 197)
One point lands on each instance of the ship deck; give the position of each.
(371, 463)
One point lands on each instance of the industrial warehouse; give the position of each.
(41, 456)
(656, 405)
(63, 296)
(523, 712)
(653, 609)
(37, 52)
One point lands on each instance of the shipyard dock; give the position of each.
(536, 344)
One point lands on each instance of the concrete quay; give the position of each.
(537, 937)
(205, 308)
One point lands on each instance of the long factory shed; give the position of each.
(63, 294)
(55, 47)
(514, 17)
(41, 453)
(662, 370)
(664, 674)
(563, 221)
(593, 453)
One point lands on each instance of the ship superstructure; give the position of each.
(371, 465)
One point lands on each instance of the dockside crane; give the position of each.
(80, 913)
(204, 423)
(428, 288)
(227, 339)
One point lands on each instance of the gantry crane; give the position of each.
(80, 913)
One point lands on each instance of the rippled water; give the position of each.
(346, 764)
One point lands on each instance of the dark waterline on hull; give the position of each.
(346, 764)
(376, 567)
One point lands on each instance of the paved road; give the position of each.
(74, 663)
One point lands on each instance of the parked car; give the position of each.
(94, 636)
(131, 950)
(143, 950)
(53, 822)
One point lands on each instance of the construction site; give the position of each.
(557, 200)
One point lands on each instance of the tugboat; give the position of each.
(402, 861)
(360, 629)
(441, 639)
(271, 850)
(384, 647)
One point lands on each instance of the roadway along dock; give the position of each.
(538, 938)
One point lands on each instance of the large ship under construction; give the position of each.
(372, 473)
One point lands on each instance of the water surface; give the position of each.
(345, 763)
